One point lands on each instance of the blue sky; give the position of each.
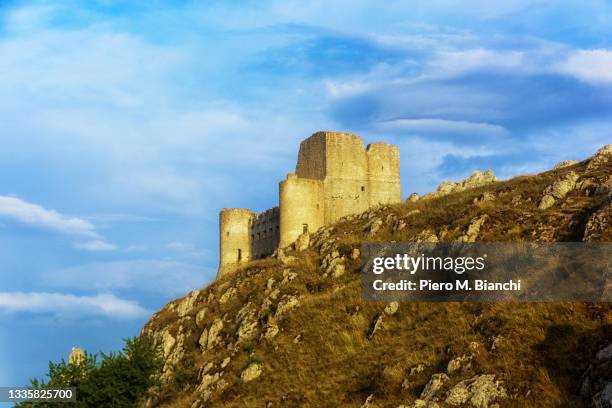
(127, 125)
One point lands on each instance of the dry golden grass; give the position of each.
(541, 351)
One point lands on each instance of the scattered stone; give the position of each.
(373, 226)
(225, 362)
(558, 190)
(368, 402)
(596, 383)
(400, 224)
(599, 222)
(227, 295)
(473, 229)
(484, 198)
(417, 369)
(269, 284)
(288, 276)
(272, 328)
(302, 242)
(378, 324)
(186, 305)
(355, 253)
(297, 338)
(391, 308)
(603, 156)
(476, 179)
(480, 391)
(436, 382)
(252, 372)
(458, 363)
(248, 327)
(426, 235)
(287, 303)
(414, 197)
(565, 163)
(200, 316)
(214, 333)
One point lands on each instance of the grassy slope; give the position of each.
(543, 352)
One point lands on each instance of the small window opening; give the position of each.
(239, 254)
(304, 228)
(227, 234)
(362, 188)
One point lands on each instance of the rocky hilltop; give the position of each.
(292, 331)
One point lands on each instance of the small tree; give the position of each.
(119, 380)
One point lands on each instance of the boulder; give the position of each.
(473, 229)
(480, 391)
(252, 372)
(414, 197)
(433, 386)
(602, 157)
(565, 163)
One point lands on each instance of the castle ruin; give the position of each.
(335, 175)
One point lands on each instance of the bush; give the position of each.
(120, 379)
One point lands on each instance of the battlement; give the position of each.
(335, 175)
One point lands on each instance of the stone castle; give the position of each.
(336, 175)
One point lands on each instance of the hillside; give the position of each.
(292, 330)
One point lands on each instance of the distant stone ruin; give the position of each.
(336, 175)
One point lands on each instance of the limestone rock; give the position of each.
(546, 202)
(474, 229)
(603, 156)
(565, 163)
(426, 235)
(480, 391)
(302, 242)
(227, 295)
(417, 369)
(214, 334)
(368, 402)
(476, 179)
(225, 362)
(391, 308)
(596, 385)
(287, 303)
(272, 329)
(558, 190)
(599, 222)
(414, 197)
(373, 226)
(252, 372)
(436, 382)
(423, 404)
(186, 305)
(200, 316)
(167, 343)
(458, 363)
(355, 253)
(248, 327)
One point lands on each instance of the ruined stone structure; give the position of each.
(335, 175)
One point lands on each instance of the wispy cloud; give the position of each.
(16, 209)
(589, 65)
(34, 215)
(68, 305)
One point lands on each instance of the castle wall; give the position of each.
(265, 233)
(301, 206)
(383, 174)
(234, 238)
(346, 187)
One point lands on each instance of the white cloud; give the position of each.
(588, 65)
(96, 245)
(61, 304)
(34, 215)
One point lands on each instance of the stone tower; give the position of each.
(335, 175)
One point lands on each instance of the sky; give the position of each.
(126, 126)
